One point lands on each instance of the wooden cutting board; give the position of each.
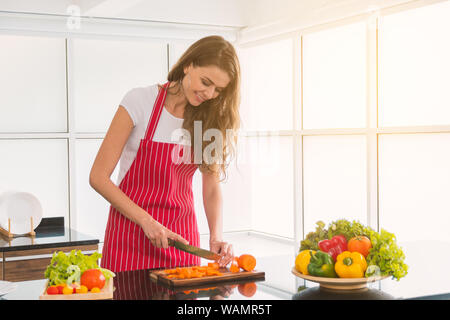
(160, 276)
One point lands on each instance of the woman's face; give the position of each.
(203, 83)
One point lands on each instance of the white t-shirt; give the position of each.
(139, 103)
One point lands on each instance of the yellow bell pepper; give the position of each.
(350, 265)
(302, 261)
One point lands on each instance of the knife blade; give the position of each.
(194, 250)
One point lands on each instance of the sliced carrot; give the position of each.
(234, 268)
(170, 271)
(188, 273)
(195, 271)
(213, 265)
(196, 274)
(211, 272)
(235, 265)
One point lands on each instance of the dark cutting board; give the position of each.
(161, 277)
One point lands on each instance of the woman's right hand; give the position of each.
(158, 234)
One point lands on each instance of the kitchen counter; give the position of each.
(137, 285)
(276, 259)
(25, 258)
(49, 234)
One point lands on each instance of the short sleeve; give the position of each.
(132, 102)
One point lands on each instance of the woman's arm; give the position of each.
(212, 202)
(100, 179)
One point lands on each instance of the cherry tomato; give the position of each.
(95, 290)
(93, 278)
(52, 290)
(60, 288)
(68, 290)
(82, 289)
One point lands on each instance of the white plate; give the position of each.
(7, 287)
(19, 207)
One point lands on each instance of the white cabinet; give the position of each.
(92, 209)
(32, 84)
(176, 50)
(101, 72)
(38, 166)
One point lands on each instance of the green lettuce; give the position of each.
(65, 268)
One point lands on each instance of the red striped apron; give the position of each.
(163, 188)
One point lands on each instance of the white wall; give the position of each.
(267, 14)
(267, 18)
(88, 71)
(212, 12)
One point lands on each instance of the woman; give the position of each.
(153, 201)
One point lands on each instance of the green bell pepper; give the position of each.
(321, 265)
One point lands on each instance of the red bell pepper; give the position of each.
(334, 246)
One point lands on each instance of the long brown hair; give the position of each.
(222, 112)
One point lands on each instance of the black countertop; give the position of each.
(138, 285)
(50, 233)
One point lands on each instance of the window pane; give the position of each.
(414, 205)
(92, 209)
(102, 71)
(414, 67)
(258, 189)
(39, 167)
(415, 186)
(335, 179)
(236, 199)
(267, 96)
(33, 84)
(334, 78)
(270, 162)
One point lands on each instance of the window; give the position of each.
(334, 78)
(414, 67)
(266, 150)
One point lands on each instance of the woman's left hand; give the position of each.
(225, 250)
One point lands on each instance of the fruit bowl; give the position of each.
(339, 283)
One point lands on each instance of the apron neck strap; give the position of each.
(156, 112)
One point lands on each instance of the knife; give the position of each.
(194, 250)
